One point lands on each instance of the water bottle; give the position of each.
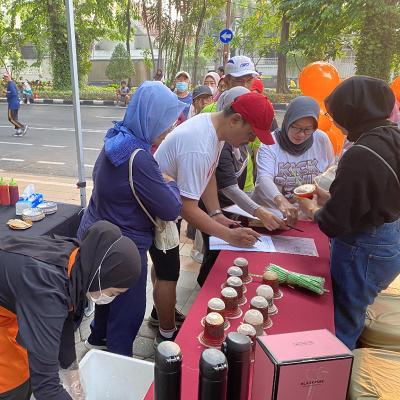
(237, 349)
(4, 193)
(213, 374)
(167, 371)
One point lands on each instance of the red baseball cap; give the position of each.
(256, 110)
(257, 85)
(6, 73)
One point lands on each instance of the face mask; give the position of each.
(214, 90)
(103, 298)
(181, 86)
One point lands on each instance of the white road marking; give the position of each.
(11, 159)
(47, 182)
(51, 162)
(51, 145)
(91, 148)
(20, 144)
(88, 165)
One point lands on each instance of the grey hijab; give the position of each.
(300, 107)
(229, 96)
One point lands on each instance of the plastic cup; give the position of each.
(271, 278)
(234, 271)
(256, 320)
(243, 264)
(237, 284)
(213, 334)
(218, 306)
(261, 304)
(305, 190)
(250, 332)
(230, 298)
(268, 293)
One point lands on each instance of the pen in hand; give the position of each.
(241, 226)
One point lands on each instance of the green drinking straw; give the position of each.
(297, 179)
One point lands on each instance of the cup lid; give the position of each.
(229, 292)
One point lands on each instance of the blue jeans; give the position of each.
(362, 265)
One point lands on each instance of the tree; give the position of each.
(120, 66)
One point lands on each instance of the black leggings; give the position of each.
(21, 392)
(209, 258)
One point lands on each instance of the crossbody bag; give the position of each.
(166, 236)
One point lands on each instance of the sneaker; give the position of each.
(28, 102)
(179, 318)
(160, 338)
(118, 105)
(91, 343)
(196, 255)
(23, 133)
(21, 102)
(17, 133)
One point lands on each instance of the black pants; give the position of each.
(166, 265)
(21, 392)
(13, 118)
(209, 258)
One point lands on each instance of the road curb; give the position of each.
(277, 106)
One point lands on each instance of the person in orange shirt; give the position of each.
(43, 286)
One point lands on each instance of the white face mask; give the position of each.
(103, 298)
(214, 90)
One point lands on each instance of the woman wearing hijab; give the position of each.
(212, 80)
(43, 286)
(26, 93)
(151, 113)
(300, 147)
(159, 77)
(231, 177)
(362, 214)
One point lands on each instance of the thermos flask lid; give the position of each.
(237, 342)
(213, 365)
(168, 357)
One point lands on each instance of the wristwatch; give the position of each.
(215, 212)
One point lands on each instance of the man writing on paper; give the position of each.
(190, 155)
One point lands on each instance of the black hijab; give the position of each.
(300, 107)
(359, 104)
(102, 244)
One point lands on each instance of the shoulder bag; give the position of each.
(166, 235)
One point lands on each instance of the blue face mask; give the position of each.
(181, 86)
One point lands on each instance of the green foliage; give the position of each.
(120, 66)
(280, 97)
(147, 59)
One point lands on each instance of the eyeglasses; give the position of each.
(297, 129)
(329, 117)
(204, 99)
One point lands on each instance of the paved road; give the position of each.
(49, 145)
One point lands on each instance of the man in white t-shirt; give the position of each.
(190, 155)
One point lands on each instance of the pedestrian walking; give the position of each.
(13, 105)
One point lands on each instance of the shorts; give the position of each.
(121, 97)
(166, 265)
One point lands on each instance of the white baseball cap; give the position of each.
(183, 73)
(240, 66)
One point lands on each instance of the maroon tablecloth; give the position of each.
(298, 309)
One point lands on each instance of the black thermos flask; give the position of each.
(237, 349)
(167, 371)
(213, 373)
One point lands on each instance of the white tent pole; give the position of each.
(75, 100)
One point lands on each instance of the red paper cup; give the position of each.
(234, 271)
(256, 320)
(268, 293)
(305, 190)
(271, 278)
(237, 284)
(261, 304)
(218, 306)
(213, 334)
(244, 266)
(230, 298)
(249, 331)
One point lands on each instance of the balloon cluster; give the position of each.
(318, 80)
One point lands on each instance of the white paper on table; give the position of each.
(295, 245)
(237, 210)
(265, 246)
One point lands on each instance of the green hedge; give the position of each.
(282, 98)
(89, 93)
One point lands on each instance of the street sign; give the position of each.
(226, 36)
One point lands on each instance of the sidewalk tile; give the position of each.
(187, 279)
(143, 347)
(147, 330)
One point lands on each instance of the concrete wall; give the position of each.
(33, 73)
(96, 75)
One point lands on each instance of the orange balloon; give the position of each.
(337, 138)
(396, 88)
(318, 80)
(332, 138)
(323, 123)
(337, 132)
